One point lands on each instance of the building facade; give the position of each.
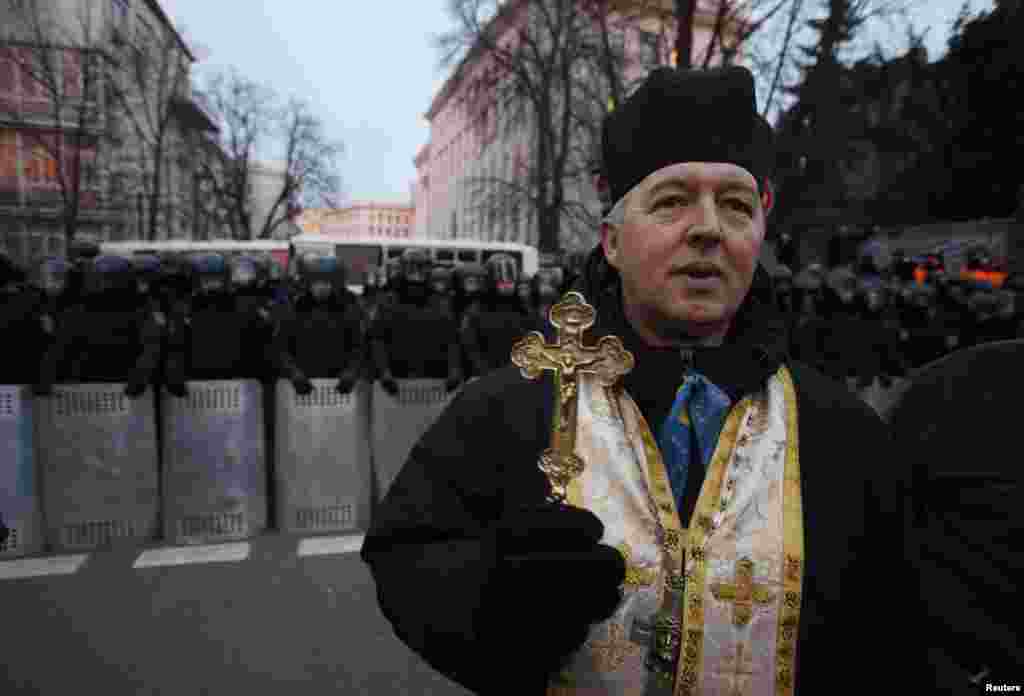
(468, 144)
(361, 219)
(99, 132)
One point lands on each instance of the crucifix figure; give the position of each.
(744, 667)
(743, 594)
(566, 358)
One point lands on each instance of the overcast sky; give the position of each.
(370, 69)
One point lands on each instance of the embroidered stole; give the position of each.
(719, 603)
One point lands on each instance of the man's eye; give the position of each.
(741, 205)
(669, 201)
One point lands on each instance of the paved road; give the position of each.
(273, 623)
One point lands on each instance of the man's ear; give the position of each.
(767, 196)
(610, 244)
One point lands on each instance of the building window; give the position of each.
(119, 11)
(648, 45)
(8, 159)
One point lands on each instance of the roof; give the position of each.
(154, 5)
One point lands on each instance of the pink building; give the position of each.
(472, 139)
(361, 219)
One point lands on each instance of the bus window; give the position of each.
(357, 258)
(445, 256)
(467, 256)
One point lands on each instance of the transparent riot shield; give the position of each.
(399, 421)
(98, 462)
(19, 491)
(214, 462)
(323, 480)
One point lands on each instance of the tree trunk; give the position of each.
(685, 12)
(155, 193)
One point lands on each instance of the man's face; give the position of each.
(709, 214)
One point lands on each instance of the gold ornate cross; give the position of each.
(743, 594)
(566, 358)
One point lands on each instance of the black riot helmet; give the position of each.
(415, 266)
(80, 250)
(275, 272)
(209, 274)
(442, 280)
(53, 275)
(502, 273)
(244, 273)
(392, 272)
(147, 272)
(524, 289)
(547, 285)
(321, 275)
(470, 278)
(108, 274)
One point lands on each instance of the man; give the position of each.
(322, 335)
(488, 331)
(108, 338)
(409, 340)
(690, 497)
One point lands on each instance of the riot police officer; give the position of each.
(442, 289)
(19, 326)
(147, 281)
(107, 338)
(409, 339)
(219, 338)
(547, 289)
(321, 337)
(490, 330)
(470, 287)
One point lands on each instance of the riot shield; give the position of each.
(214, 462)
(98, 462)
(399, 421)
(956, 423)
(322, 479)
(19, 497)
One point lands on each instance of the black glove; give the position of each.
(345, 384)
(303, 386)
(177, 389)
(453, 382)
(135, 388)
(42, 389)
(551, 581)
(389, 385)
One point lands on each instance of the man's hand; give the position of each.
(389, 385)
(303, 385)
(177, 389)
(453, 381)
(135, 387)
(536, 550)
(346, 383)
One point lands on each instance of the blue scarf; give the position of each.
(691, 430)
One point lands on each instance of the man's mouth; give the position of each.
(698, 270)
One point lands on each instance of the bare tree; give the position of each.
(311, 178)
(58, 117)
(549, 68)
(255, 127)
(149, 81)
(244, 112)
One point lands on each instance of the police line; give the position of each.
(89, 468)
